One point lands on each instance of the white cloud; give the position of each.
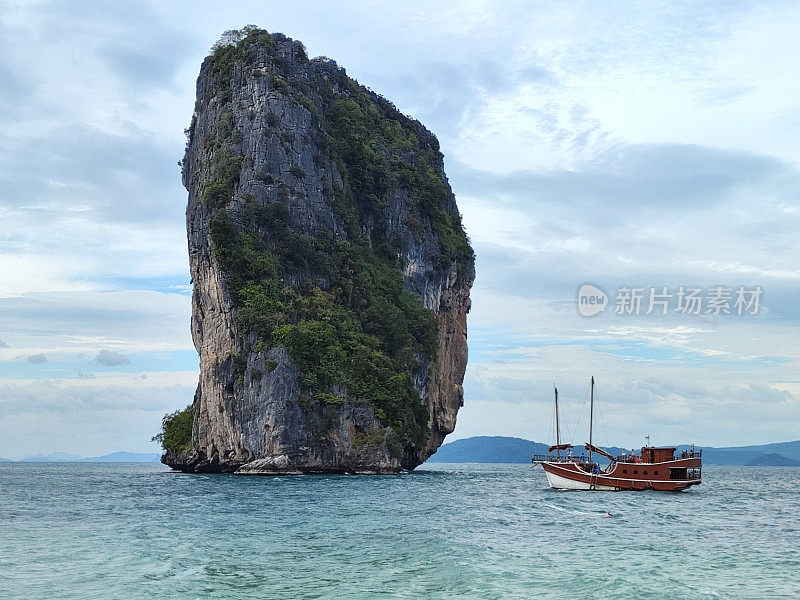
(678, 378)
(89, 416)
(111, 359)
(677, 403)
(65, 323)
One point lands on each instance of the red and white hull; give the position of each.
(671, 476)
(561, 482)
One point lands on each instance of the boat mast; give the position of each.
(591, 418)
(558, 436)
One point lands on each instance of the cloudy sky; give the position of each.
(625, 145)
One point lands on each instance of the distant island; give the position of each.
(501, 449)
(773, 459)
(114, 457)
(496, 449)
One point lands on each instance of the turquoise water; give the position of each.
(447, 531)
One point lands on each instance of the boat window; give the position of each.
(645, 472)
(655, 472)
(624, 470)
(635, 472)
(677, 473)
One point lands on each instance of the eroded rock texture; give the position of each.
(331, 272)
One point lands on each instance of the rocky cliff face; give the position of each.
(331, 272)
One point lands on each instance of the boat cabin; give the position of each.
(657, 455)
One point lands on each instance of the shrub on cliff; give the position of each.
(176, 431)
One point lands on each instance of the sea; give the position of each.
(444, 531)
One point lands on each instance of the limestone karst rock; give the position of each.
(331, 272)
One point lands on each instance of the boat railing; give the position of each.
(689, 454)
(554, 458)
(632, 458)
(628, 458)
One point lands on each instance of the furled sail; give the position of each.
(560, 447)
(600, 451)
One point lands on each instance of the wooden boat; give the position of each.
(655, 468)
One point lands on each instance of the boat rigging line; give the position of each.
(578, 422)
(602, 418)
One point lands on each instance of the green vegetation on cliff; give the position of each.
(359, 336)
(376, 148)
(176, 431)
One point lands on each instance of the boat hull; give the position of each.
(621, 476)
(560, 482)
